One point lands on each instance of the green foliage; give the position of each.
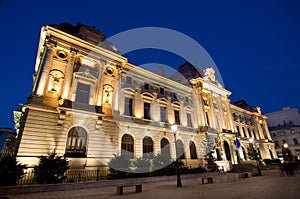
(122, 167)
(10, 170)
(211, 165)
(142, 165)
(119, 166)
(164, 166)
(253, 153)
(51, 169)
(160, 161)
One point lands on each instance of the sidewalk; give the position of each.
(270, 185)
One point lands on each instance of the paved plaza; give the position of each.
(271, 185)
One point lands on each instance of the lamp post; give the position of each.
(255, 156)
(174, 130)
(286, 152)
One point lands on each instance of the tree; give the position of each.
(51, 169)
(211, 165)
(142, 165)
(119, 166)
(253, 153)
(10, 170)
(160, 161)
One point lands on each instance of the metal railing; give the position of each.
(72, 175)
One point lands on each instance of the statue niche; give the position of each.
(107, 94)
(55, 81)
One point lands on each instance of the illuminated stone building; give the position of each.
(89, 103)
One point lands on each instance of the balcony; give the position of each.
(81, 106)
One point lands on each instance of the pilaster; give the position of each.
(68, 76)
(45, 68)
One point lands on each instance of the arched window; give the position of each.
(271, 154)
(219, 156)
(193, 150)
(76, 142)
(127, 146)
(244, 153)
(227, 151)
(147, 147)
(238, 156)
(180, 150)
(165, 148)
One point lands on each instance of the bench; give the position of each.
(207, 180)
(244, 175)
(138, 188)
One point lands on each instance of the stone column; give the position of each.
(100, 83)
(44, 69)
(229, 115)
(212, 112)
(201, 110)
(183, 119)
(267, 130)
(260, 130)
(221, 112)
(68, 77)
(196, 109)
(155, 109)
(117, 90)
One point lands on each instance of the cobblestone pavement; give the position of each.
(270, 185)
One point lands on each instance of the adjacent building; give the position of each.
(7, 141)
(89, 103)
(284, 126)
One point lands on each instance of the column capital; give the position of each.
(50, 43)
(73, 51)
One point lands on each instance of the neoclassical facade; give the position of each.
(89, 103)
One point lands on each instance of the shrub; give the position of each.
(119, 166)
(51, 169)
(211, 165)
(142, 165)
(10, 170)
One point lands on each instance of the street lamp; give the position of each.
(174, 129)
(286, 152)
(255, 155)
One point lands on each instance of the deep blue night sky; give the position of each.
(255, 44)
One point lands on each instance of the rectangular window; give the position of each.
(161, 91)
(146, 86)
(295, 141)
(128, 80)
(147, 114)
(187, 99)
(207, 118)
(174, 96)
(82, 93)
(128, 106)
(163, 115)
(177, 117)
(283, 141)
(244, 131)
(189, 120)
(250, 133)
(257, 138)
(238, 130)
